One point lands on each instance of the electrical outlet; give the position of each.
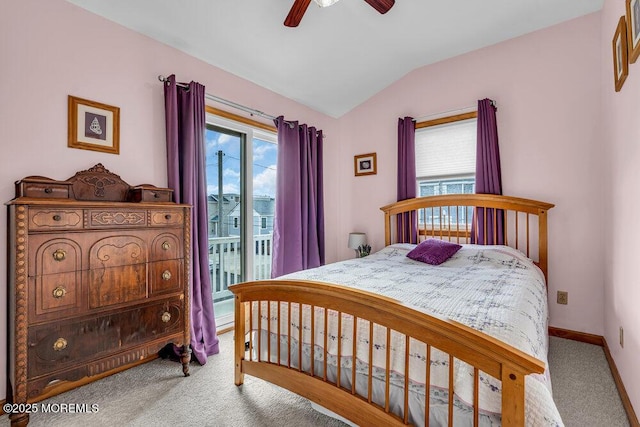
(563, 297)
(621, 337)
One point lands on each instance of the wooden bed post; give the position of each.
(512, 398)
(240, 336)
(387, 229)
(542, 243)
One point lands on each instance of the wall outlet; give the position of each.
(563, 297)
(621, 337)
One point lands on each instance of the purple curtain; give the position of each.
(407, 223)
(488, 227)
(185, 121)
(298, 226)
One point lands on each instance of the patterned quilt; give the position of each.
(493, 289)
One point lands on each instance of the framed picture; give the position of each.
(620, 63)
(633, 30)
(365, 164)
(93, 126)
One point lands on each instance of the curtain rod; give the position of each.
(229, 103)
(450, 112)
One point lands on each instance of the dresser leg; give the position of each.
(185, 358)
(19, 420)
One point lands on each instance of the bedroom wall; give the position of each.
(554, 99)
(51, 49)
(547, 88)
(620, 112)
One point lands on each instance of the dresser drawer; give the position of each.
(42, 188)
(62, 344)
(149, 193)
(167, 246)
(165, 276)
(53, 254)
(55, 219)
(166, 217)
(55, 296)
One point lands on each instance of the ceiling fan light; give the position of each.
(325, 3)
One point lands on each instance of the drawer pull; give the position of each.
(48, 190)
(156, 196)
(166, 275)
(166, 246)
(167, 217)
(60, 344)
(59, 292)
(59, 255)
(57, 217)
(166, 316)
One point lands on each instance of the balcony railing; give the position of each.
(225, 266)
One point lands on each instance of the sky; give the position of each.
(264, 164)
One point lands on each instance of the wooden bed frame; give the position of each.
(525, 228)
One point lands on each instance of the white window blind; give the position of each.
(446, 150)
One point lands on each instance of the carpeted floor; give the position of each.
(156, 394)
(583, 387)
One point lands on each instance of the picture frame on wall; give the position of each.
(93, 126)
(365, 164)
(620, 62)
(633, 30)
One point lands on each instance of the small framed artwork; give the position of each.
(365, 164)
(93, 126)
(620, 63)
(633, 30)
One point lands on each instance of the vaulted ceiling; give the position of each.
(338, 56)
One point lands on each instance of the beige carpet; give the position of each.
(583, 387)
(155, 394)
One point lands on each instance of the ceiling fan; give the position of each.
(300, 7)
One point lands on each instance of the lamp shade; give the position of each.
(357, 239)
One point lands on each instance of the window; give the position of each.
(445, 164)
(241, 172)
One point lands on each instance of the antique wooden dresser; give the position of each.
(98, 281)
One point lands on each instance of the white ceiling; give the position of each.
(341, 55)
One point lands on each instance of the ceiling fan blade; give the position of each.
(381, 6)
(296, 13)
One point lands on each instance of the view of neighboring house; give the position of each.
(263, 211)
(229, 203)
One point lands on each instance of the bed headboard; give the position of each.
(453, 217)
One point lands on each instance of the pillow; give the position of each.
(434, 251)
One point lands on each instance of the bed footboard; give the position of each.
(369, 358)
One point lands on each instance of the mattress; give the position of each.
(493, 289)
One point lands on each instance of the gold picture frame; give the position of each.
(620, 62)
(365, 164)
(633, 30)
(93, 126)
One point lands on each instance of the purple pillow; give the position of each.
(434, 251)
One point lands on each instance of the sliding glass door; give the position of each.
(241, 173)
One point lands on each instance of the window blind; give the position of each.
(446, 150)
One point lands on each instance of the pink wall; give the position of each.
(52, 49)
(546, 85)
(620, 112)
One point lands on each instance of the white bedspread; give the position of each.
(493, 289)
